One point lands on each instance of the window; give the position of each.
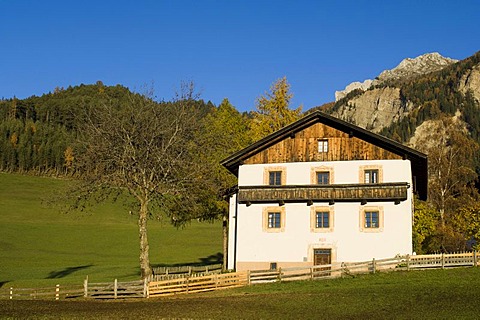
(273, 266)
(274, 220)
(371, 219)
(371, 176)
(275, 178)
(321, 219)
(323, 177)
(322, 146)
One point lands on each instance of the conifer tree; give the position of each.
(272, 110)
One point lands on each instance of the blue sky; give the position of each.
(229, 49)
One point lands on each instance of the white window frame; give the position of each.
(322, 145)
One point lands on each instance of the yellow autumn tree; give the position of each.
(272, 110)
(69, 158)
(14, 139)
(467, 222)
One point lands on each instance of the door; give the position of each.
(322, 257)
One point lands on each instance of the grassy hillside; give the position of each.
(40, 245)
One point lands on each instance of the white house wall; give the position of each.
(256, 248)
(298, 173)
(231, 232)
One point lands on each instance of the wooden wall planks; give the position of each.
(303, 147)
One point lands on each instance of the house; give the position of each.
(320, 191)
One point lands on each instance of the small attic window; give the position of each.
(322, 145)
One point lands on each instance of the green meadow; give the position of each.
(40, 244)
(432, 294)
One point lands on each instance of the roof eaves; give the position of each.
(232, 162)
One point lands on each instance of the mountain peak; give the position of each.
(409, 67)
(426, 63)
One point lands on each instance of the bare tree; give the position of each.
(148, 149)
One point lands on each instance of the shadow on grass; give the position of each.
(216, 258)
(2, 283)
(67, 271)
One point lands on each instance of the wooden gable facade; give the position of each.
(299, 141)
(303, 147)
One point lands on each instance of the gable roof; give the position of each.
(418, 159)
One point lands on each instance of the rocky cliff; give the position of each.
(413, 84)
(374, 109)
(470, 81)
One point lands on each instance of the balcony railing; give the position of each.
(395, 192)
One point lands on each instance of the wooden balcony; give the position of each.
(395, 192)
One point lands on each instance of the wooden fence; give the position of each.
(187, 269)
(115, 290)
(197, 284)
(191, 284)
(336, 270)
(442, 260)
(56, 292)
(98, 290)
(172, 273)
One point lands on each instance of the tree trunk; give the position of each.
(145, 268)
(225, 242)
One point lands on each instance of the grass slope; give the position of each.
(39, 245)
(433, 294)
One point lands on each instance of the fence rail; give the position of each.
(187, 269)
(197, 284)
(115, 290)
(173, 276)
(99, 290)
(443, 260)
(336, 270)
(56, 292)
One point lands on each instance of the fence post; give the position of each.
(443, 261)
(280, 274)
(311, 273)
(408, 262)
(145, 288)
(115, 284)
(85, 287)
(11, 293)
(474, 257)
(57, 292)
(374, 266)
(248, 278)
